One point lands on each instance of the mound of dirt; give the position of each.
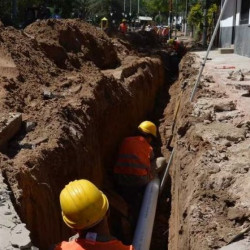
(74, 113)
(144, 39)
(70, 43)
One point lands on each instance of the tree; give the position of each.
(5, 12)
(156, 6)
(195, 19)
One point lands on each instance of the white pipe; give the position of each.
(145, 223)
(208, 50)
(164, 178)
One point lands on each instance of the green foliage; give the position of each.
(91, 9)
(211, 11)
(24, 4)
(5, 11)
(155, 6)
(195, 16)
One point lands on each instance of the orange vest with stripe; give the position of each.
(134, 157)
(83, 244)
(123, 27)
(176, 46)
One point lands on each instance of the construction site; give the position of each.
(69, 95)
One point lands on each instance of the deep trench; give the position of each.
(160, 232)
(161, 225)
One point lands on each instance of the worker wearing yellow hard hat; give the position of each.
(123, 26)
(148, 128)
(135, 166)
(104, 23)
(84, 209)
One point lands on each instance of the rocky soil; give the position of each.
(210, 170)
(14, 234)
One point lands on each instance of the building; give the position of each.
(235, 26)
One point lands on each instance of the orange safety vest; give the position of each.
(134, 157)
(83, 244)
(176, 46)
(165, 32)
(123, 27)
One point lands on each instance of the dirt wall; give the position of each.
(211, 161)
(73, 119)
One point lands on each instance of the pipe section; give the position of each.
(145, 223)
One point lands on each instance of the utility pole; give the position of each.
(176, 13)
(138, 7)
(186, 16)
(205, 24)
(124, 7)
(171, 18)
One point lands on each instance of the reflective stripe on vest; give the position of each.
(134, 157)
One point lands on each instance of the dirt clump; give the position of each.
(69, 43)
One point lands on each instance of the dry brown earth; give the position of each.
(210, 171)
(79, 96)
(80, 93)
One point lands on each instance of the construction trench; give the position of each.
(69, 95)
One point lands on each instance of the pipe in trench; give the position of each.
(164, 178)
(144, 227)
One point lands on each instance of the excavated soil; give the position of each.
(79, 93)
(210, 170)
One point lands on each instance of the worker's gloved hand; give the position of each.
(158, 165)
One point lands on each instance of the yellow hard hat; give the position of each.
(148, 128)
(170, 41)
(83, 204)
(124, 20)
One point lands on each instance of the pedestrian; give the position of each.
(136, 166)
(56, 14)
(84, 209)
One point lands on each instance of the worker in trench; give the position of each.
(123, 28)
(136, 167)
(178, 47)
(85, 209)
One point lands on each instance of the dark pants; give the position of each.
(133, 195)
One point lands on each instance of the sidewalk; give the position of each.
(226, 93)
(232, 87)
